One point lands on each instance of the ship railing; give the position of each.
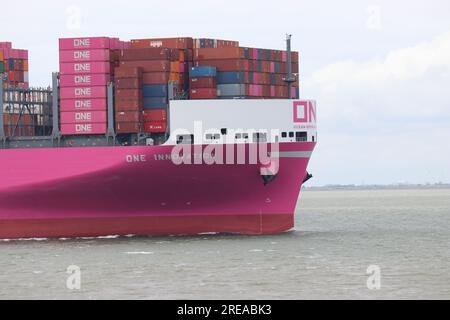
(26, 112)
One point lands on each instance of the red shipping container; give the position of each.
(128, 105)
(174, 43)
(261, 78)
(157, 115)
(83, 104)
(83, 129)
(11, 76)
(129, 83)
(115, 55)
(128, 72)
(18, 76)
(189, 55)
(128, 127)
(156, 78)
(148, 66)
(128, 94)
(204, 93)
(265, 66)
(155, 127)
(83, 117)
(219, 53)
(19, 131)
(197, 83)
(129, 116)
(22, 120)
(149, 54)
(295, 67)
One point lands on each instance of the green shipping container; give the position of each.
(2, 67)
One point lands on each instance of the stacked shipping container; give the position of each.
(14, 64)
(214, 43)
(203, 83)
(163, 61)
(19, 125)
(14, 67)
(86, 67)
(249, 72)
(205, 68)
(128, 100)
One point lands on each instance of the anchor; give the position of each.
(308, 177)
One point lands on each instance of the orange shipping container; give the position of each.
(128, 83)
(128, 105)
(182, 55)
(155, 78)
(148, 66)
(129, 116)
(219, 53)
(176, 66)
(128, 127)
(127, 72)
(175, 77)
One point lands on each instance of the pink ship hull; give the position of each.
(65, 193)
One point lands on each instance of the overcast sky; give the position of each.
(379, 70)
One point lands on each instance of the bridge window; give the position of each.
(224, 132)
(284, 134)
(259, 137)
(209, 137)
(291, 134)
(238, 136)
(185, 139)
(301, 136)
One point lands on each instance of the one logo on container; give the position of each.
(83, 79)
(82, 43)
(82, 55)
(83, 127)
(83, 92)
(85, 67)
(81, 104)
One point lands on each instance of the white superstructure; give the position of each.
(242, 121)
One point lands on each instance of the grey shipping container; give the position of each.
(230, 90)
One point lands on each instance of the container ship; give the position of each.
(173, 136)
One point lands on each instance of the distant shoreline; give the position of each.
(379, 187)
